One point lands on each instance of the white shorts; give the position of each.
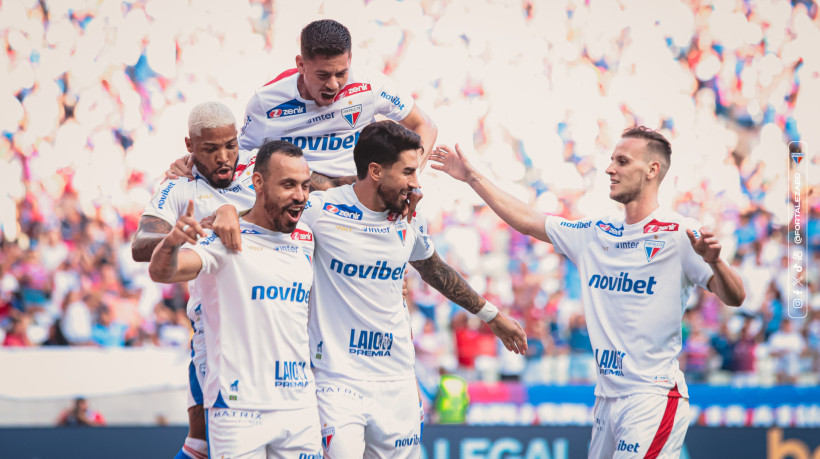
(640, 425)
(197, 368)
(249, 434)
(371, 419)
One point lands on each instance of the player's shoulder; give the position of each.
(666, 220)
(565, 224)
(282, 78)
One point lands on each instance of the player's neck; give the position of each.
(259, 217)
(300, 86)
(640, 208)
(366, 194)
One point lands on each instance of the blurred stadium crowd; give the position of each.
(95, 99)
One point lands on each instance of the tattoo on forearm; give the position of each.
(322, 182)
(446, 280)
(150, 233)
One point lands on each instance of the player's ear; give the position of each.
(300, 64)
(654, 169)
(189, 144)
(375, 170)
(258, 182)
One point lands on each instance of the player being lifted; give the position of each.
(259, 389)
(362, 352)
(639, 269)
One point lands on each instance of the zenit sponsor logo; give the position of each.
(409, 441)
(163, 194)
(289, 108)
(655, 226)
(378, 271)
(295, 293)
(352, 89)
(370, 343)
(301, 235)
(576, 225)
(623, 283)
(290, 373)
(351, 212)
(395, 99)
(324, 142)
(610, 361)
(326, 116)
(610, 229)
(626, 245)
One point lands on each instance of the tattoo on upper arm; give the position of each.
(450, 283)
(151, 230)
(321, 182)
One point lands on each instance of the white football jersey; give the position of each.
(255, 314)
(635, 280)
(325, 134)
(358, 321)
(170, 201)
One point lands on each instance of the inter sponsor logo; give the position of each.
(233, 189)
(374, 229)
(623, 283)
(626, 245)
(324, 142)
(290, 373)
(352, 89)
(610, 229)
(351, 212)
(286, 248)
(576, 225)
(610, 361)
(655, 226)
(163, 194)
(326, 116)
(409, 441)
(370, 343)
(289, 108)
(378, 271)
(295, 293)
(395, 99)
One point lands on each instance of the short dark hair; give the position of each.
(382, 142)
(325, 37)
(656, 143)
(270, 148)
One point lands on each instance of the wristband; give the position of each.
(488, 312)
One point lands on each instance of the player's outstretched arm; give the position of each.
(452, 285)
(150, 232)
(726, 282)
(517, 214)
(168, 263)
(322, 182)
(418, 122)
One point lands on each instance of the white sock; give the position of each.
(196, 448)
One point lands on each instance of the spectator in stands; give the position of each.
(108, 332)
(786, 346)
(80, 415)
(16, 335)
(743, 358)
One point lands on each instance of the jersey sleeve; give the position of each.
(252, 134)
(210, 250)
(568, 237)
(423, 247)
(169, 201)
(695, 269)
(390, 100)
(313, 208)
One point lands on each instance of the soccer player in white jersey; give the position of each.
(359, 330)
(259, 391)
(638, 270)
(221, 176)
(322, 106)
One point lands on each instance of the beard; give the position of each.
(625, 197)
(210, 174)
(391, 199)
(279, 217)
